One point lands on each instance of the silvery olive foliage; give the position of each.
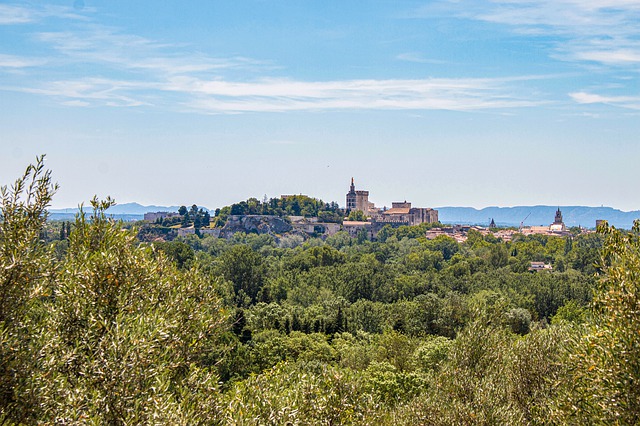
(605, 384)
(114, 333)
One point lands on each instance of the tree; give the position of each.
(498, 256)
(177, 251)
(113, 334)
(357, 215)
(26, 266)
(185, 220)
(244, 268)
(182, 210)
(362, 235)
(605, 388)
(128, 335)
(63, 235)
(239, 209)
(384, 233)
(445, 244)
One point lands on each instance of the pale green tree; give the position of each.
(128, 334)
(25, 271)
(605, 386)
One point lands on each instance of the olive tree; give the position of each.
(25, 271)
(605, 387)
(112, 333)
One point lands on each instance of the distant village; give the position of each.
(401, 213)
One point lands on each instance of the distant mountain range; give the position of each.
(537, 215)
(126, 212)
(503, 216)
(127, 208)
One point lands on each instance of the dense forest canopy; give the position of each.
(98, 327)
(287, 205)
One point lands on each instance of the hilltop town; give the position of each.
(291, 214)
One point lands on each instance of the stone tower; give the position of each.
(558, 220)
(558, 224)
(357, 200)
(351, 198)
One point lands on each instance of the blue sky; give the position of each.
(465, 103)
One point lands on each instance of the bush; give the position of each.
(300, 394)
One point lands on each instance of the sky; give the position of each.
(441, 103)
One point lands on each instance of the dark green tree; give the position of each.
(244, 268)
(357, 215)
(182, 254)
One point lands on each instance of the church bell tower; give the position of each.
(351, 198)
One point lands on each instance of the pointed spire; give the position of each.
(558, 218)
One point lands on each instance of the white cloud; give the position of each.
(583, 24)
(630, 102)
(417, 58)
(10, 61)
(76, 103)
(574, 17)
(169, 76)
(105, 45)
(14, 14)
(281, 95)
(278, 95)
(92, 91)
(620, 56)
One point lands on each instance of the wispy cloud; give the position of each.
(11, 61)
(15, 15)
(418, 58)
(630, 102)
(608, 51)
(18, 14)
(281, 95)
(155, 74)
(104, 45)
(93, 92)
(571, 17)
(278, 95)
(599, 31)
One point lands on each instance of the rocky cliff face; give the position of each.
(256, 224)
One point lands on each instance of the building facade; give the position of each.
(401, 213)
(153, 216)
(358, 200)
